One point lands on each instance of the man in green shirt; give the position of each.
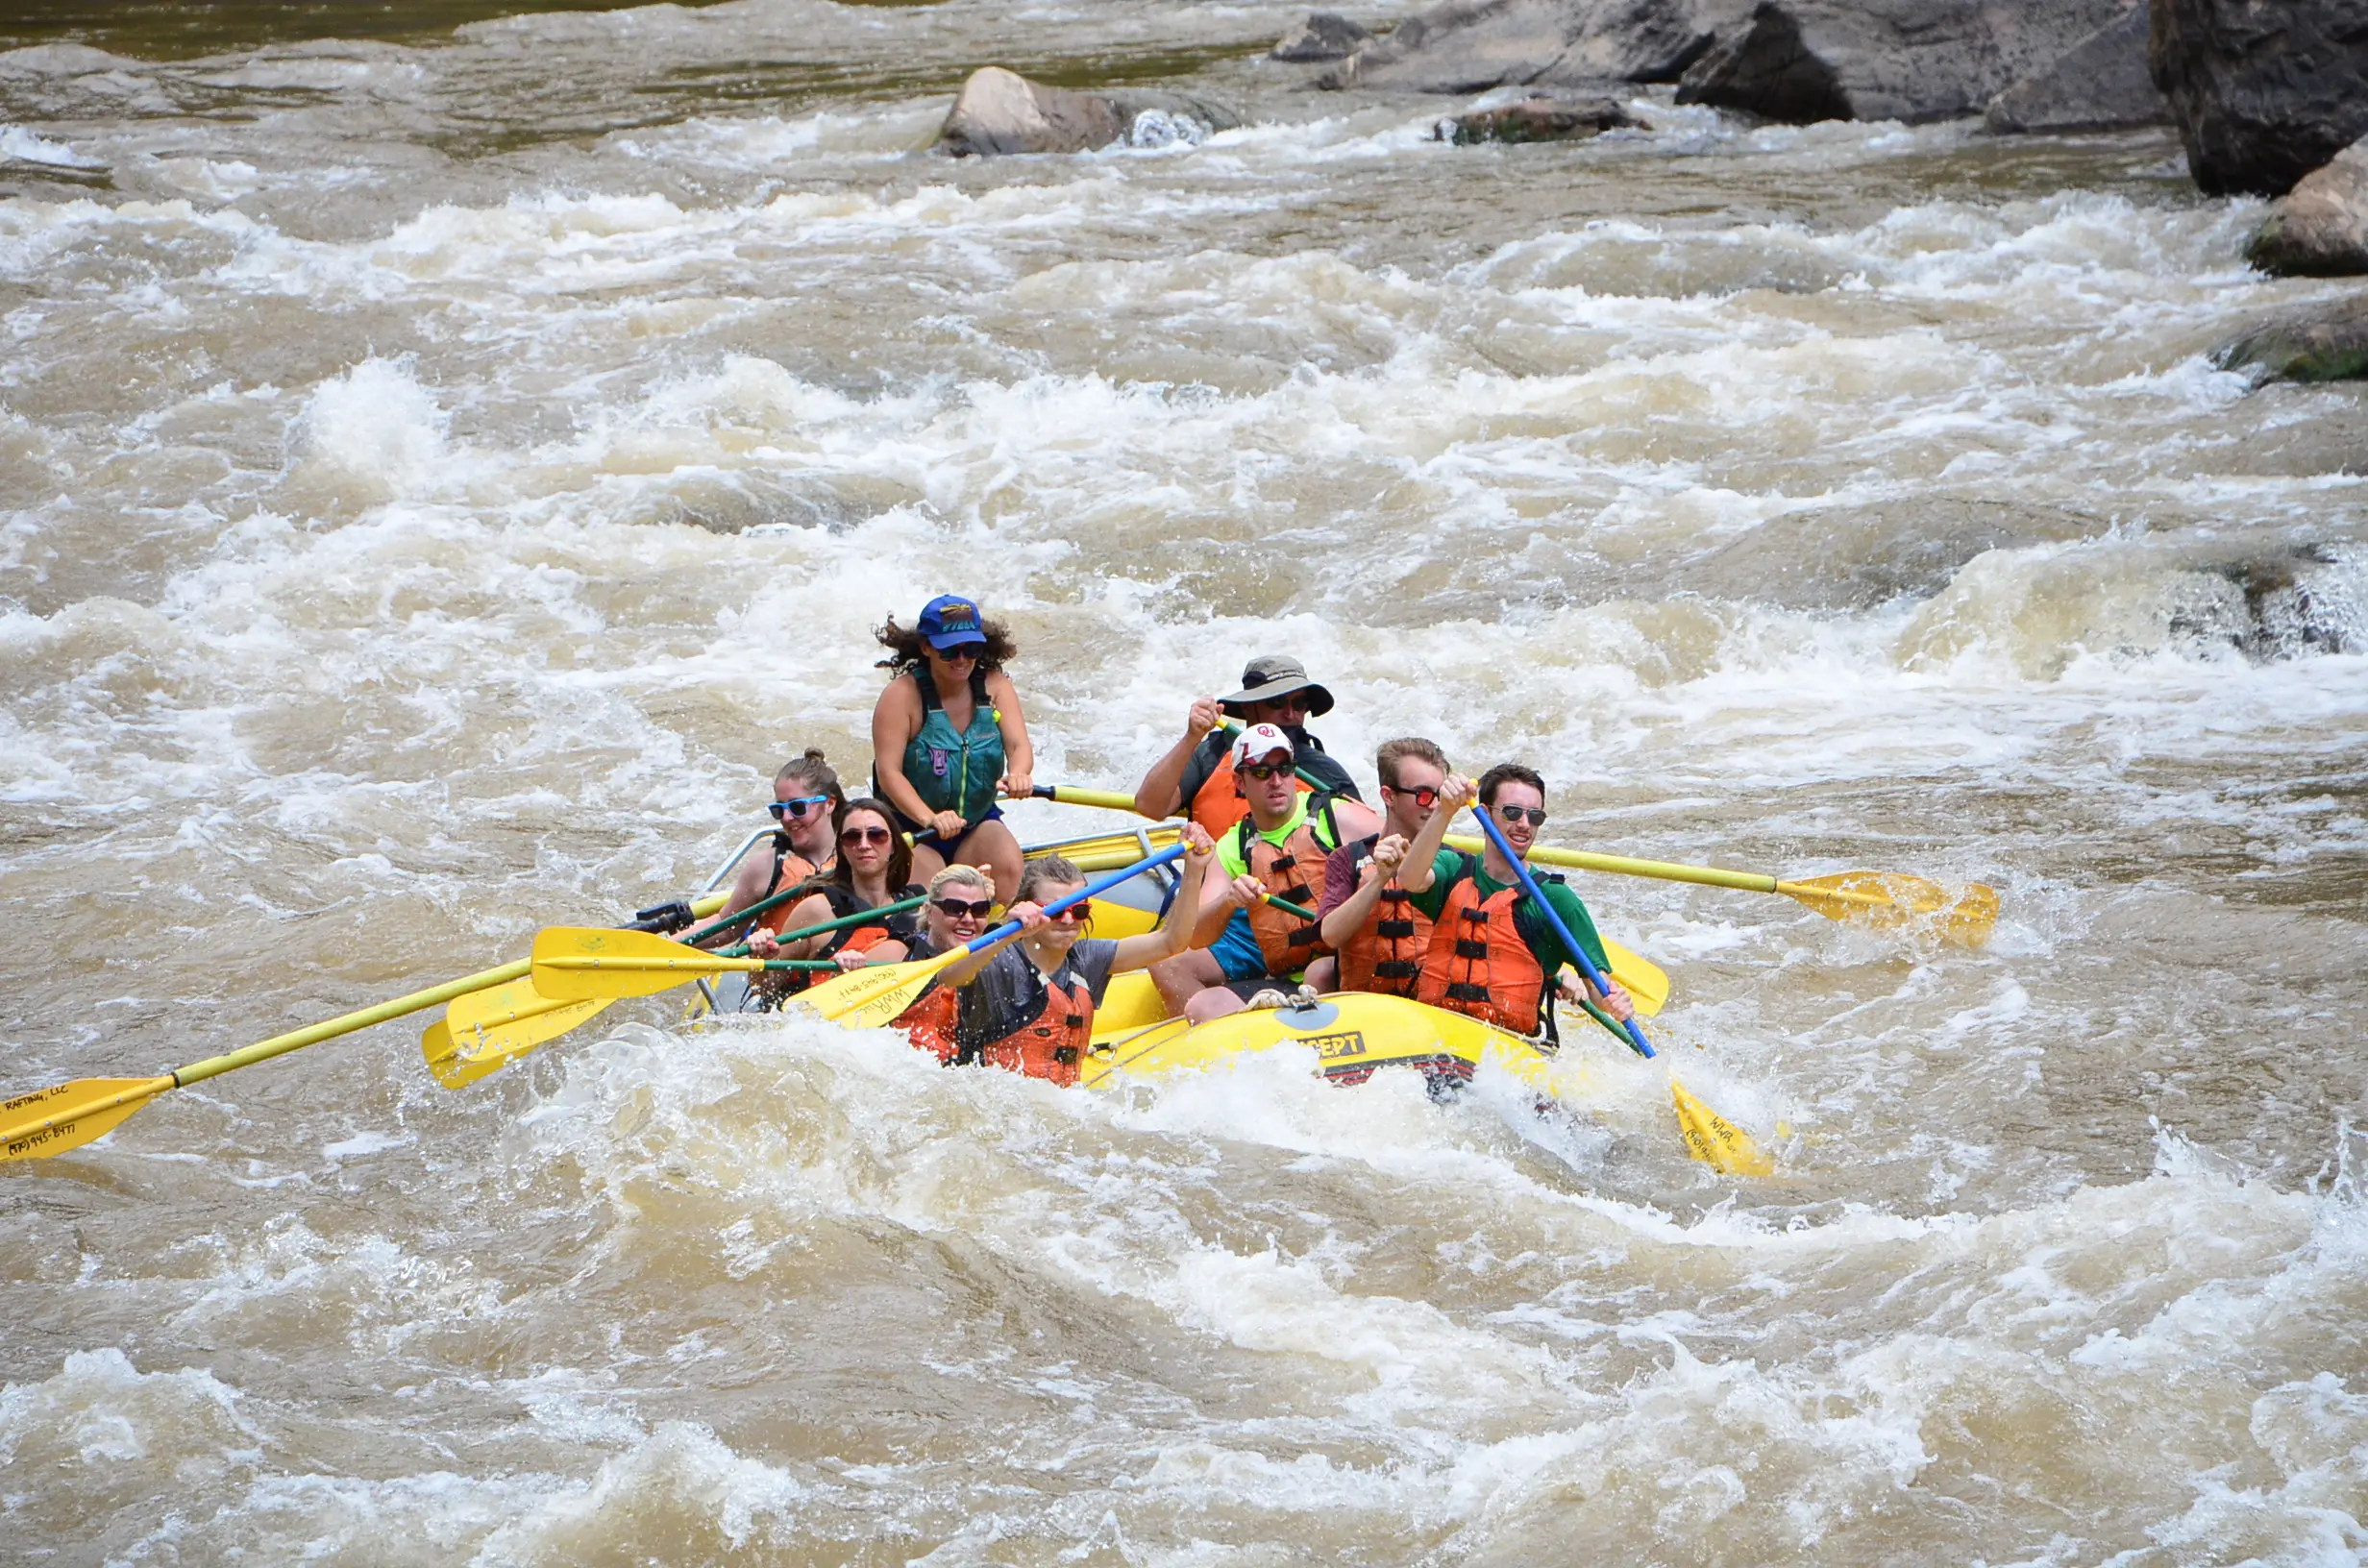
(1498, 958)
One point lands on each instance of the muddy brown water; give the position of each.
(444, 467)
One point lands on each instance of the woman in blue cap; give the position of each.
(948, 741)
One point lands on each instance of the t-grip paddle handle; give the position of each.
(1578, 954)
(1099, 884)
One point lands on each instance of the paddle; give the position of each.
(478, 1034)
(1886, 898)
(1710, 1137)
(53, 1120)
(864, 999)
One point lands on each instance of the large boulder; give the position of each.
(1472, 45)
(2320, 228)
(2331, 346)
(2264, 91)
(1003, 111)
(1322, 35)
(1537, 119)
(2103, 84)
(1800, 61)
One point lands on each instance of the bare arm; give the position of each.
(756, 876)
(1347, 917)
(1175, 933)
(1457, 792)
(1161, 793)
(896, 718)
(1019, 751)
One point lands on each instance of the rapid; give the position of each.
(441, 476)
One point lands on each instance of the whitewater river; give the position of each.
(442, 476)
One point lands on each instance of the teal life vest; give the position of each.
(951, 771)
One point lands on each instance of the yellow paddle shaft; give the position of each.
(1621, 864)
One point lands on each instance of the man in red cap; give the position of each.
(1197, 775)
(1247, 951)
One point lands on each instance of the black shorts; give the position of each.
(925, 839)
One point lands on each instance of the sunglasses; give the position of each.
(955, 908)
(1295, 703)
(1425, 799)
(798, 808)
(1081, 910)
(957, 653)
(1513, 815)
(864, 835)
(1263, 771)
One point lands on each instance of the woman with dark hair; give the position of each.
(949, 741)
(875, 868)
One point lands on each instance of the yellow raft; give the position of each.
(1352, 1033)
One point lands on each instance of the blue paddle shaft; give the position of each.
(1578, 954)
(1100, 884)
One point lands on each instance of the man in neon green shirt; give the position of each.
(1245, 945)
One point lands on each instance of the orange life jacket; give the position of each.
(789, 869)
(897, 927)
(1294, 872)
(1386, 952)
(1051, 1044)
(932, 1020)
(1219, 805)
(1477, 964)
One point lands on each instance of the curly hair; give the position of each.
(907, 650)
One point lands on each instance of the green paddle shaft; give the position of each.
(859, 918)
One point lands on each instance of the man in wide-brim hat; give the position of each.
(1195, 776)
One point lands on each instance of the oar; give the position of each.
(478, 1034)
(53, 1120)
(1888, 898)
(1710, 1137)
(864, 999)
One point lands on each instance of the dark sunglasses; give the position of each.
(1425, 799)
(798, 808)
(864, 835)
(1513, 814)
(1263, 771)
(955, 908)
(1081, 910)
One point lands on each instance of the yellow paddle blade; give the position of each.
(1643, 980)
(1715, 1140)
(1892, 900)
(867, 998)
(582, 962)
(69, 1116)
(481, 1032)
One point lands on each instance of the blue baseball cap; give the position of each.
(949, 621)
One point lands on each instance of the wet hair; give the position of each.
(959, 873)
(1508, 772)
(812, 772)
(899, 853)
(908, 651)
(1393, 752)
(1047, 870)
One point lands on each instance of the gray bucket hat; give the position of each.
(1270, 676)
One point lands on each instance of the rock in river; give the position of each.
(1001, 111)
(1537, 119)
(2102, 84)
(2321, 226)
(2331, 347)
(2264, 91)
(1472, 45)
(1322, 35)
(1800, 61)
